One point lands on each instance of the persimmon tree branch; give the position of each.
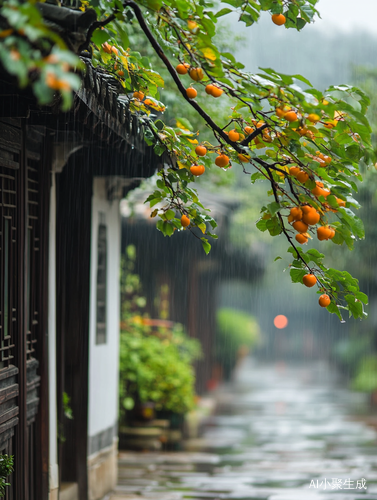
(253, 135)
(161, 54)
(287, 124)
(282, 225)
(284, 131)
(159, 51)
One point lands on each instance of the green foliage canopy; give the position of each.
(330, 123)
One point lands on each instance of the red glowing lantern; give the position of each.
(281, 321)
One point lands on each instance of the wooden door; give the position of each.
(23, 262)
(74, 209)
(10, 160)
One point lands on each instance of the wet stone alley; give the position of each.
(280, 433)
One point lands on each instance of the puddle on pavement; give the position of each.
(276, 433)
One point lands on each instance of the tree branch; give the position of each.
(282, 222)
(92, 29)
(219, 131)
(253, 135)
(159, 51)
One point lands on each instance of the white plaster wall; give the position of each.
(104, 358)
(53, 452)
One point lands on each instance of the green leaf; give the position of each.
(100, 36)
(202, 227)
(256, 176)
(159, 124)
(273, 226)
(355, 306)
(273, 207)
(300, 23)
(262, 225)
(159, 149)
(334, 309)
(206, 245)
(154, 202)
(234, 3)
(153, 77)
(184, 123)
(297, 274)
(156, 195)
(314, 256)
(362, 296)
(169, 214)
(223, 12)
(302, 79)
(352, 221)
(247, 19)
(167, 229)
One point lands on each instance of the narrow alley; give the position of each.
(280, 433)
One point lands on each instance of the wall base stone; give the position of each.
(54, 494)
(103, 471)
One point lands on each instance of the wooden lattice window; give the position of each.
(101, 323)
(9, 165)
(33, 251)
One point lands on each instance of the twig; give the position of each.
(93, 27)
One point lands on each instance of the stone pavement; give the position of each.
(280, 433)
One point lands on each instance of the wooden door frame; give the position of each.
(43, 465)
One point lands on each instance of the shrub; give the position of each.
(6, 468)
(156, 366)
(366, 375)
(235, 330)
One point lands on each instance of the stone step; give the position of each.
(69, 491)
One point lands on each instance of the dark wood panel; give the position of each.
(12, 371)
(10, 137)
(8, 393)
(6, 437)
(15, 122)
(7, 162)
(9, 414)
(32, 410)
(8, 425)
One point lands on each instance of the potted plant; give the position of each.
(156, 367)
(156, 364)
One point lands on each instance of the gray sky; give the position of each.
(324, 51)
(346, 15)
